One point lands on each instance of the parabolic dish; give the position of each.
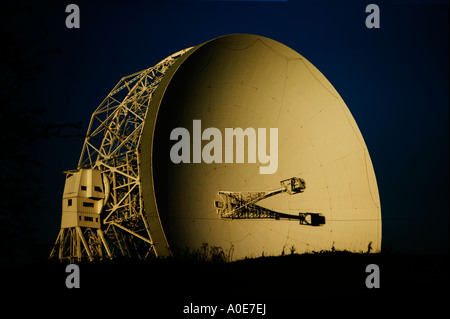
(248, 81)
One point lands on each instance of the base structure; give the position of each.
(77, 244)
(103, 213)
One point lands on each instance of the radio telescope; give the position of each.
(128, 198)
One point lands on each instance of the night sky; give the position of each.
(394, 80)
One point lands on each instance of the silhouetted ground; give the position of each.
(293, 284)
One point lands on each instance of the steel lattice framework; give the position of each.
(112, 145)
(242, 205)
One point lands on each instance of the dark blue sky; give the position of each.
(393, 79)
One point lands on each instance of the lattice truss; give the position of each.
(242, 205)
(237, 205)
(112, 145)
